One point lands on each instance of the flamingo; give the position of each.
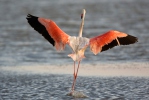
(58, 38)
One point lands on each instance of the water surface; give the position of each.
(51, 87)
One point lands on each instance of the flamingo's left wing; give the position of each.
(109, 40)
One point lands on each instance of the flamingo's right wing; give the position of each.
(49, 30)
(109, 40)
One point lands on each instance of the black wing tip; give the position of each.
(29, 16)
(133, 38)
(33, 21)
(129, 39)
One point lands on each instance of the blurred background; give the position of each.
(22, 45)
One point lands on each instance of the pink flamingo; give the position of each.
(58, 38)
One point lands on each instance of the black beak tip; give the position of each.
(81, 16)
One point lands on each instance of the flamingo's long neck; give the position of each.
(82, 23)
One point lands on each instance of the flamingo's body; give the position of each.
(58, 38)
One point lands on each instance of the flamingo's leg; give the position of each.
(72, 89)
(76, 76)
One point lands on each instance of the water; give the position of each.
(20, 45)
(51, 87)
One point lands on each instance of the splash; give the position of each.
(77, 94)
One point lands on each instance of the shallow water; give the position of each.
(55, 87)
(21, 45)
(112, 81)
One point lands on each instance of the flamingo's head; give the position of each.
(83, 13)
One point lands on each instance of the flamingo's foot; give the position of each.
(77, 94)
(71, 93)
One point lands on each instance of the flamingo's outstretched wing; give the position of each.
(109, 40)
(49, 30)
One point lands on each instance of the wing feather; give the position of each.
(49, 30)
(33, 21)
(110, 39)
